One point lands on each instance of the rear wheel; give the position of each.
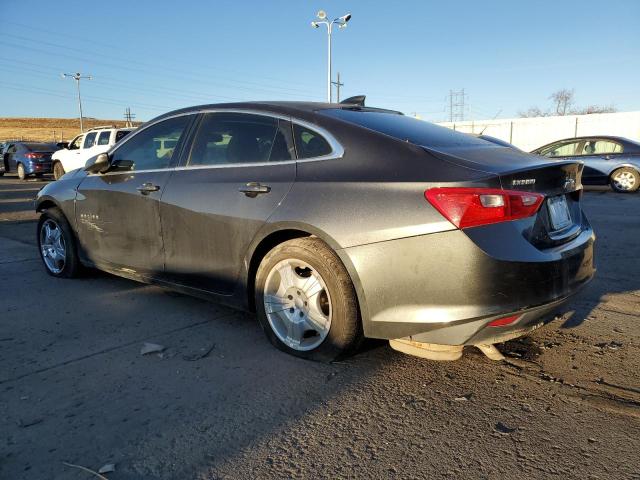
(57, 246)
(58, 170)
(21, 173)
(305, 300)
(625, 180)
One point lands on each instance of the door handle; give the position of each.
(147, 188)
(253, 189)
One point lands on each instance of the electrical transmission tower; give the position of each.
(456, 105)
(128, 116)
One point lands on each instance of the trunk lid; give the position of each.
(560, 217)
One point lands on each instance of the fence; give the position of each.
(531, 133)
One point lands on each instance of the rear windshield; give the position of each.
(41, 147)
(406, 128)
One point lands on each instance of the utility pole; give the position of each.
(77, 77)
(338, 85)
(456, 105)
(128, 116)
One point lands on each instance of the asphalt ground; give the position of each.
(221, 402)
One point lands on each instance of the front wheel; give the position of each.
(58, 170)
(625, 180)
(306, 302)
(21, 173)
(57, 246)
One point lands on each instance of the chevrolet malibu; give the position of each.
(332, 222)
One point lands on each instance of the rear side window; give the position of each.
(103, 138)
(309, 144)
(89, 140)
(405, 128)
(600, 147)
(120, 134)
(234, 138)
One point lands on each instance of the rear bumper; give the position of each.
(37, 167)
(443, 288)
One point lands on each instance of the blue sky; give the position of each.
(154, 56)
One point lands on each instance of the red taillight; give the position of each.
(34, 155)
(501, 322)
(471, 207)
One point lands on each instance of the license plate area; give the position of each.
(559, 213)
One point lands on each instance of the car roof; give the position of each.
(282, 107)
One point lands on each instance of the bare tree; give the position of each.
(563, 105)
(533, 112)
(595, 109)
(563, 100)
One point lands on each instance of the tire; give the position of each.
(625, 180)
(60, 259)
(21, 173)
(325, 310)
(1, 174)
(58, 170)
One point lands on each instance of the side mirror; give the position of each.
(100, 165)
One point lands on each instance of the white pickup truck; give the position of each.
(86, 145)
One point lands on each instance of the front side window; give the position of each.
(103, 138)
(309, 144)
(600, 147)
(145, 150)
(233, 138)
(75, 143)
(560, 150)
(89, 140)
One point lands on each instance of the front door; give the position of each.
(117, 213)
(238, 170)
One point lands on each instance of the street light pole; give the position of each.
(329, 25)
(342, 23)
(77, 77)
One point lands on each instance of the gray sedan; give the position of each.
(333, 222)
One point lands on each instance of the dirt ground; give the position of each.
(220, 403)
(48, 129)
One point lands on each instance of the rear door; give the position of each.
(117, 213)
(599, 156)
(238, 169)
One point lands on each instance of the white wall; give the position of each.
(531, 133)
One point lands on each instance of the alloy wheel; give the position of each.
(52, 246)
(624, 180)
(297, 304)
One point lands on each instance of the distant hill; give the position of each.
(48, 129)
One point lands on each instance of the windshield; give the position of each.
(41, 147)
(406, 128)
